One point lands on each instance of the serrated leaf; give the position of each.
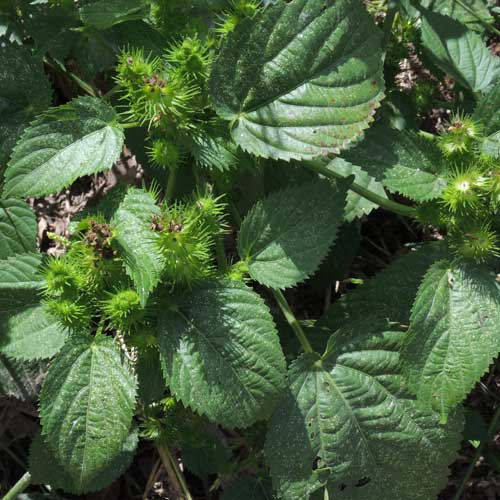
(488, 114)
(103, 14)
(459, 51)
(67, 142)
(407, 163)
(454, 334)
(221, 354)
(137, 243)
(18, 228)
(20, 272)
(24, 92)
(285, 237)
(357, 206)
(28, 331)
(20, 380)
(45, 469)
(300, 80)
(346, 426)
(397, 284)
(86, 407)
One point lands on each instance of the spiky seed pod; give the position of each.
(240, 9)
(477, 244)
(164, 153)
(460, 135)
(190, 58)
(72, 314)
(123, 310)
(59, 277)
(464, 190)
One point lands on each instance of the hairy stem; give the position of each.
(19, 487)
(174, 472)
(172, 177)
(130, 125)
(392, 206)
(491, 431)
(392, 9)
(292, 320)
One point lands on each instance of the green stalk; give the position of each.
(392, 10)
(174, 472)
(172, 177)
(392, 206)
(130, 125)
(19, 487)
(292, 320)
(487, 26)
(489, 435)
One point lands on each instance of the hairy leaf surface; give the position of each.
(459, 51)
(454, 334)
(67, 142)
(45, 469)
(18, 228)
(346, 425)
(24, 92)
(19, 379)
(301, 79)
(137, 242)
(221, 353)
(103, 14)
(285, 237)
(86, 407)
(407, 163)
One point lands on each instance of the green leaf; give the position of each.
(86, 407)
(18, 228)
(285, 237)
(488, 114)
(300, 80)
(151, 385)
(221, 354)
(103, 14)
(357, 206)
(459, 51)
(76, 139)
(407, 163)
(24, 92)
(454, 334)
(137, 243)
(346, 425)
(20, 380)
(397, 284)
(45, 469)
(19, 273)
(28, 331)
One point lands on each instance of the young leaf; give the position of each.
(459, 51)
(19, 379)
(18, 228)
(454, 334)
(137, 242)
(488, 114)
(398, 284)
(285, 237)
(221, 353)
(346, 426)
(45, 469)
(86, 407)
(103, 14)
(24, 92)
(67, 142)
(407, 163)
(300, 80)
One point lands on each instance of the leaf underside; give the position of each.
(300, 80)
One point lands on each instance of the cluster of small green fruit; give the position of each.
(469, 205)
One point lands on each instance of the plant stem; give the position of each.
(57, 66)
(130, 125)
(471, 11)
(174, 472)
(489, 435)
(172, 177)
(392, 206)
(292, 320)
(18, 488)
(392, 10)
